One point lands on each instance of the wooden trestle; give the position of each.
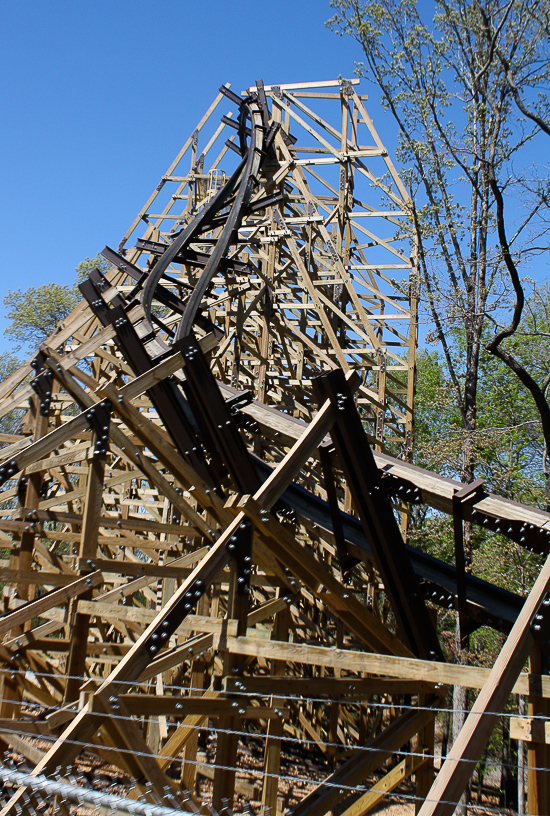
(198, 508)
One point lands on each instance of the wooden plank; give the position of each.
(35, 608)
(118, 567)
(386, 666)
(388, 783)
(197, 706)
(437, 490)
(340, 688)
(530, 729)
(161, 371)
(37, 577)
(140, 614)
(106, 522)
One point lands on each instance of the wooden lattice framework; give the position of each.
(210, 511)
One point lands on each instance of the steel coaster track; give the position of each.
(236, 190)
(491, 605)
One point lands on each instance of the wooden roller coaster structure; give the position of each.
(202, 508)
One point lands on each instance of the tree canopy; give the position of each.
(34, 313)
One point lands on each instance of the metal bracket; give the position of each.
(240, 547)
(175, 617)
(401, 488)
(470, 493)
(240, 420)
(540, 626)
(8, 469)
(42, 387)
(39, 361)
(530, 536)
(99, 420)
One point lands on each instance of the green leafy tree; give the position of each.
(9, 423)
(460, 143)
(85, 267)
(35, 313)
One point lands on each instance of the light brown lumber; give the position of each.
(37, 577)
(404, 668)
(466, 750)
(32, 727)
(389, 782)
(320, 580)
(340, 688)
(438, 491)
(28, 637)
(136, 569)
(26, 452)
(35, 608)
(107, 522)
(140, 614)
(130, 451)
(183, 733)
(530, 729)
(154, 705)
(364, 762)
(159, 373)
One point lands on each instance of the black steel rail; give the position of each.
(234, 194)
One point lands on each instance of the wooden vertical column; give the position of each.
(189, 766)
(272, 757)
(228, 743)
(538, 753)
(334, 706)
(424, 776)
(76, 662)
(426, 743)
(22, 558)
(32, 500)
(196, 682)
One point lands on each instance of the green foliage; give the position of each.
(35, 313)
(85, 267)
(508, 448)
(8, 365)
(10, 421)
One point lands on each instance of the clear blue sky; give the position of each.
(97, 97)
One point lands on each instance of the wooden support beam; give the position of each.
(34, 608)
(386, 666)
(530, 729)
(365, 761)
(455, 772)
(388, 783)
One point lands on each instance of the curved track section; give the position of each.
(234, 195)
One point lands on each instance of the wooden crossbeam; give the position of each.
(34, 608)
